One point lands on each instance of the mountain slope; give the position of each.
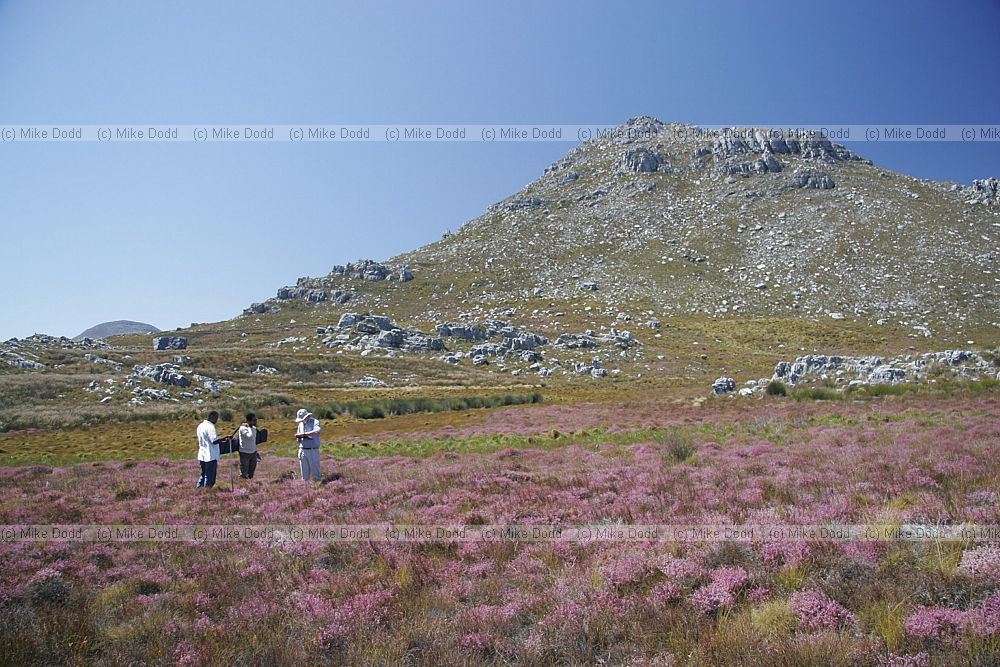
(678, 220)
(685, 220)
(117, 328)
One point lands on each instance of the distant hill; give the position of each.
(117, 328)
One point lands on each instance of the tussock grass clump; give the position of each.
(124, 492)
(792, 577)
(773, 618)
(938, 386)
(887, 621)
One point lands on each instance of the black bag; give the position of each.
(261, 439)
(229, 444)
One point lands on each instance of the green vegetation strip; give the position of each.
(377, 408)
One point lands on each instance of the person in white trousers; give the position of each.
(307, 433)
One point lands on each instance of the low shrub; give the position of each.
(816, 394)
(877, 390)
(777, 388)
(679, 448)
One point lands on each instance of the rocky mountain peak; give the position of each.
(729, 222)
(673, 219)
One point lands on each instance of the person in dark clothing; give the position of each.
(248, 447)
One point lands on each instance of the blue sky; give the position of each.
(95, 232)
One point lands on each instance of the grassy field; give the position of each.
(428, 432)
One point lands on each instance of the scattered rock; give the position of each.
(313, 295)
(723, 385)
(26, 364)
(370, 381)
(463, 331)
(101, 361)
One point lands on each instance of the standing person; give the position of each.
(208, 450)
(307, 433)
(248, 447)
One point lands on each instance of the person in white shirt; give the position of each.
(307, 433)
(248, 447)
(208, 450)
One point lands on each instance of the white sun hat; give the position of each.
(302, 415)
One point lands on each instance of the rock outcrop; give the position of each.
(355, 331)
(170, 343)
(261, 308)
(162, 374)
(986, 191)
(313, 295)
(868, 370)
(368, 269)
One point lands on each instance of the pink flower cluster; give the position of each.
(720, 592)
(947, 624)
(937, 622)
(816, 611)
(981, 561)
(361, 612)
(627, 569)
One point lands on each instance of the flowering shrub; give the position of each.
(985, 620)
(941, 623)
(712, 598)
(664, 593)
(816, 611)
(680, 568)
(627, 569)
(981, 561)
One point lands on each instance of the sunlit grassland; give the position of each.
(724, 421)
